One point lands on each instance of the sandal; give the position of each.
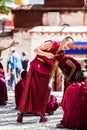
(60, 126)
(43, 119)
(20, 117)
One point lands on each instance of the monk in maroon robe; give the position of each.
(3, 88)
(75, 104)
(19, 88)
(35, 95)
(69, 67)
(52, 104)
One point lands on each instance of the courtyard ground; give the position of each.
(8, 116)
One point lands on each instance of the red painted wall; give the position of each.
(64, 3)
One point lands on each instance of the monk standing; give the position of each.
(35, 95)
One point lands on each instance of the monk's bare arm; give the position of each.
(41, 50)
(64, 73)
(72, 66)
(54, 67)
(2, 48)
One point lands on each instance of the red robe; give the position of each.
(63, 66)
(19, 90)
(35, 95)
(3, 88)
(52, 105)
(75, 106)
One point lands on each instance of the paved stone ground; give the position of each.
(8, 116)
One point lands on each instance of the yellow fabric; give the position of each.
(40, 59)
(19, 2)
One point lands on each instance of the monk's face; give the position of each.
(86, 80)
(67, 45)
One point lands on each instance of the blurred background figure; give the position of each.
(3, 89)
(24, 61)
(14, 67)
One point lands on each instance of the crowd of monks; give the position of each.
(32, 91)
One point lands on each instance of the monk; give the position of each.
(19, 88)
(69, 67)
(75, 104)
(35, 95)
(3, 88)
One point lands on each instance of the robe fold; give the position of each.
(3, 87)
(75, 106)
(67, 69)
(19, 90)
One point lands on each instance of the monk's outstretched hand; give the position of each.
(14, 43)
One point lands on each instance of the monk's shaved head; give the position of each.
(81, 76)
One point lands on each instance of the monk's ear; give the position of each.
(86, 80)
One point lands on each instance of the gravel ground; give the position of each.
(8, 116)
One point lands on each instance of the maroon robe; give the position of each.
(35, 95)
(19, 90)
(75, 106)
(3, 88)
(52, 105)
(63, 66)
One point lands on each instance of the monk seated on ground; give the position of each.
(19, 88)
(75, 104)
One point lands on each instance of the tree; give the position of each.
(3, 7)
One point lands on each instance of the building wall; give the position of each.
(48, 16)
(27, 18)
(64, 3)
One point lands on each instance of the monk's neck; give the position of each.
(60, 47)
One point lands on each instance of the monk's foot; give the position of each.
(20, 117)
(60, 104)
(43, 119)
(59, 125)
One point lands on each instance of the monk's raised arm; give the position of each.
(41, 50)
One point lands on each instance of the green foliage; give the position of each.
(4, 1)
(3, 7)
